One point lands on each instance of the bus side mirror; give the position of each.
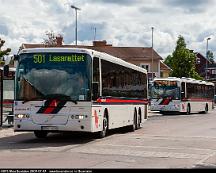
(6, 70)
(95, 91)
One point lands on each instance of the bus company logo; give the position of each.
(96, 118)
(183, 107)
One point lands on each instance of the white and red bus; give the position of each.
(71, 89)
(185, 95)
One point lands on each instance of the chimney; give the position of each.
(59, 40)
(100, 43)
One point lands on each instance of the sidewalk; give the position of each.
(6, 132)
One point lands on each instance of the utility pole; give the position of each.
(76, 8)
(206, 57)
(94, 32)
(152, 63)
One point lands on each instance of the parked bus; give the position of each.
(184, 95)
(71, 89)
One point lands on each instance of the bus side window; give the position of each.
(182, 90)
(96, 79)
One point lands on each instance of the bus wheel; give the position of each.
(103, 133)
(188, 110)
(133, 127)
(40, 134)
(206, 109)
(139, 122)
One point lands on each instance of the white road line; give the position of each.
(172, 137)
(129, 152)
(201, 162)
(153, 147)
(55, 149)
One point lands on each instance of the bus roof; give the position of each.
(187, 80)
(91, 52)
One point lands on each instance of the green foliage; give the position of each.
(3, 52)
(168, 60)
(182, 61)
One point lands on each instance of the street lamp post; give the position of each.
(152, 54)
(206, 57)
(76, 8)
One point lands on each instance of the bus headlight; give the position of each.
(21, 116)
(80, 117)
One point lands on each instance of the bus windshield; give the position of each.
(165, 89)
(53, 75)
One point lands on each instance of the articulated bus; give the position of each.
(71, 89)
(184, 95)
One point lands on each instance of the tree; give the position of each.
(182, 61)
(168, 60)
(51, 40)
(210, 56)
(5, 51)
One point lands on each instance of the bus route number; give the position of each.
(39, 59)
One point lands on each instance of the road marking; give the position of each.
(172, 137)
(55, 149)
(201, 162)
(153, 147)
(140, 153)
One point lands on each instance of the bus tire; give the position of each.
(139, 121)
(188, 109)
(103, 133)
(206, 109)
(133, 127)
(40, 134)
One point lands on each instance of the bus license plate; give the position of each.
(49, 128)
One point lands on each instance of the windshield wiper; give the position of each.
(59, 97)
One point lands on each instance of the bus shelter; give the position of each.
(1, 97)
(7, 98)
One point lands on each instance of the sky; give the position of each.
(126, 23)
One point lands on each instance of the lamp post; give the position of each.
(76, 8)
(152, 54)
(206, 57)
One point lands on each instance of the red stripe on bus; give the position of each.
(165, 102)
(7, 102)
(51, 107)
(198, 99)
(107, 100)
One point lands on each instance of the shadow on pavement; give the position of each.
(27, 140)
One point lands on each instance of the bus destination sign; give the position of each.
(41, 58)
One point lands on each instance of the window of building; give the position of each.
(197, 60)
(145, 66)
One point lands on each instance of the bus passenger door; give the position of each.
(96, 79)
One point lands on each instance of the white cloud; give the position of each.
(121, 23)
